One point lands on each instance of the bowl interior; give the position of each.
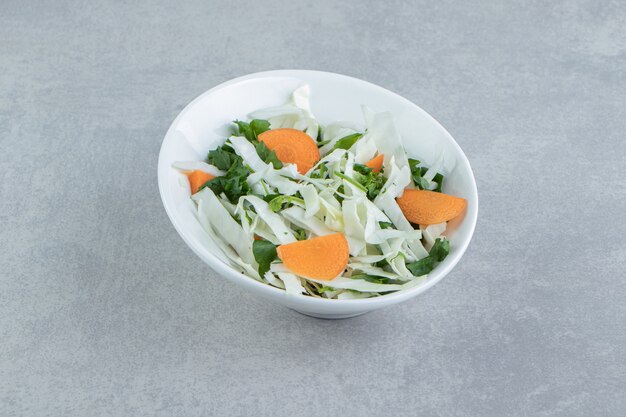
(205, 123)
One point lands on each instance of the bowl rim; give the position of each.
(269, 291)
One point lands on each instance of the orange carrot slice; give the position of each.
(292, 146)
(429, 207)
(323, 257)
(376, 163)
(197, 179)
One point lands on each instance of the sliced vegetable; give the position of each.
(428, 207)
(322, 258)
(252, 130)
(348, 141)
(197, 179)
(376, 164)
(293, 147)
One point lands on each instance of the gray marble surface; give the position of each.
(105, 312)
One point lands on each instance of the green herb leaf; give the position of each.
(264, 252)
(385, 225)
(438, 253)
(233, 184)
(243, 129)
(268, 156)
(352, 181)
(421, 267)
(269, 197)
(438, 178)
(320, 172)
(382, 263)
(362, 169)
(258, 126)
(417, 174)
(252, 130)
(223, 157)
(276, 204)
(340, 190)
(300, 234)
(440, 249)
(372, 181)
(347, 141)
(414, 164)
(422, 183)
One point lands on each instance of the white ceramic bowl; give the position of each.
(203, 125)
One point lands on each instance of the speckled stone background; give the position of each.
(105, 312)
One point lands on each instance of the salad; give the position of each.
(328, 211)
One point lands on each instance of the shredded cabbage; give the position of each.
(212, 213)
(275, 222)
(311, 200)
(282, 206)
(296, 114)
(292, 283)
